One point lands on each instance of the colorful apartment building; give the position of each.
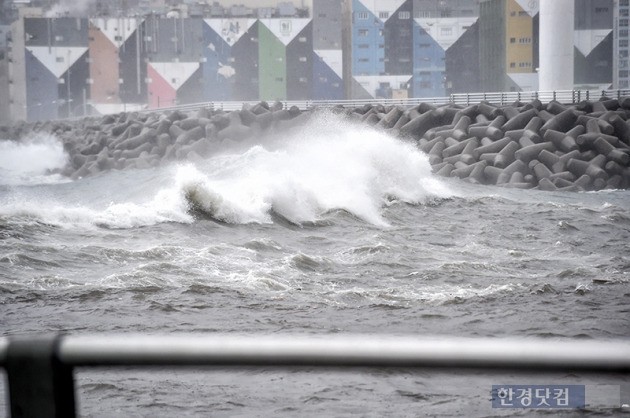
(118, 71)
(509, 40)
(443, 58)
(508, 56)
(230, 59)
(327, 79)
(621, 40)
(68, 66)
(400, 48)
(593, 38)
(49, 71)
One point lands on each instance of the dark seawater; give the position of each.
(336, 229)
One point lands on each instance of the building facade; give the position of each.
(509, 41)
(400, 48)
(621, 69)
(593, 38)
(66, 66)
(507, 53)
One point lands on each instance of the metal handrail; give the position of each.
(355, 350)
(342, 351)
(498, 98)
(41, 382)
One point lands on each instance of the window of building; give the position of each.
(59, 59)
(623, 12)
(512, 40)
(364, 60)
(383, 15)
(623, 63)
(424, 45)
(445, 13)
(624, 2)
(118, 38)
(601, 10)
(623, 22)
(623, 53)
(363, 46)
(525, 40)
(522, 13)
(512, 14)
(623, 43)
(446, 31)
(623, 74)
(280, 79)
(302, 59)
(364, 32)
(404, 15)
(362, 15)
(512, 65)
(623, 33)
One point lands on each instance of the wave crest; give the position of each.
(329, 166)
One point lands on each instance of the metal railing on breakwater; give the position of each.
(41, 381)
(497, 98)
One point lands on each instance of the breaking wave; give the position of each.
(329, 165)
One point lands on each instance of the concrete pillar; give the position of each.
(556, 45)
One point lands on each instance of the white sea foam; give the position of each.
(331, 165)
(29, 161)
(328, 165)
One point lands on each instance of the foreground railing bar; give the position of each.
(4, 346)
(341, 351)
(346, 351)
(40, 368)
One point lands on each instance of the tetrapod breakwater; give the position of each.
(549, 146)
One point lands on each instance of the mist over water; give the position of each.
(30, 160)
(335, 228)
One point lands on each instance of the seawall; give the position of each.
(551, 146)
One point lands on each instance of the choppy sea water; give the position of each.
(333, 229)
